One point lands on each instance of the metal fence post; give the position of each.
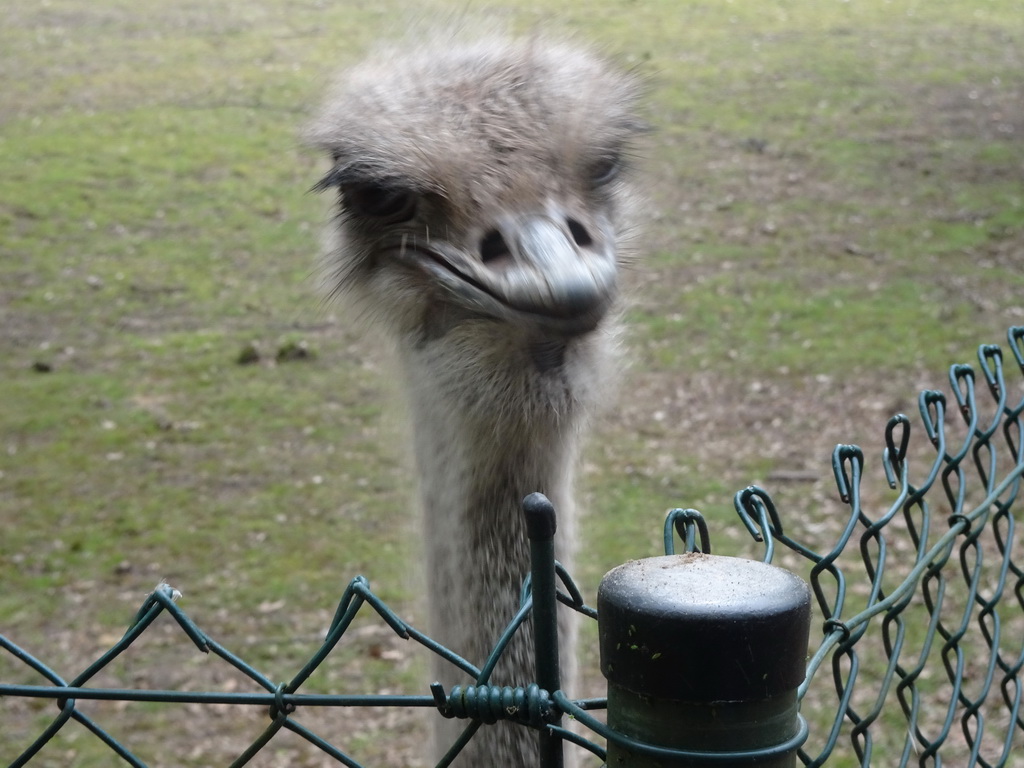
(703, 654)
(540, 528)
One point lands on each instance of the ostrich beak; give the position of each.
(557, 270)
(540, 269)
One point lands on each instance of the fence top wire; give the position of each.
(958, 603)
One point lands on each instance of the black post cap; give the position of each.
(703, 628)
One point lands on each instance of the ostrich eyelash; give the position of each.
(334, 178)
(367, 194)
(358, 173)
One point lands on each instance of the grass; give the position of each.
(834, 215)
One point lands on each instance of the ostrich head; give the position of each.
(480, 182)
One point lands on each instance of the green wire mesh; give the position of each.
(922, 610)
(923, 604)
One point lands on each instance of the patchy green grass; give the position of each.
(834, 214)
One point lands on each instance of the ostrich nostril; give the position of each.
(579, 234)
(494, 248)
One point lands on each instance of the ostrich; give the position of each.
(482, 207)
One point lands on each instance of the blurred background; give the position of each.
(834, 214)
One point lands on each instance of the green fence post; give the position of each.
(703, 654)
(540, 528)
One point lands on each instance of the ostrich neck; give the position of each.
(490, 428)
(494, 420)
(474, 474)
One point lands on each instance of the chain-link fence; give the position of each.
(922, 609)
(923, 602)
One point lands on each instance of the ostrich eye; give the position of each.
(605, 170)
(386, 204)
